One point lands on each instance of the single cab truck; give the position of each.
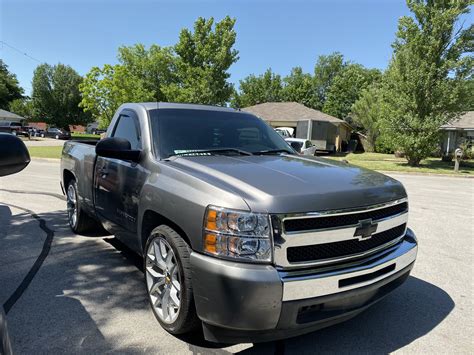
(237, 231)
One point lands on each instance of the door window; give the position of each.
(127, 127)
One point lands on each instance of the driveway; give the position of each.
(67, 294)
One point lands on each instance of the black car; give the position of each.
(56, 133)
(15, 128)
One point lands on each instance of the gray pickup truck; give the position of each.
(238, 233)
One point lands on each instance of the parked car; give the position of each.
(14, 157)
(302, 146)
(98, 131)
(15, 128)
(285, 132)
(238, 232)
(40, 132)
(56, 133)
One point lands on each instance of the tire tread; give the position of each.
(190, 322)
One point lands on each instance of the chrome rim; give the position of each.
(71, 205)
(163, 280)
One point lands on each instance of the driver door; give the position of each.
(118, 183)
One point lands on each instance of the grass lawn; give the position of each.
(84, 136)
(45, 152)
(388, 162)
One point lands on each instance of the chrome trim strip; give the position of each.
(342, 211)
(327, 283)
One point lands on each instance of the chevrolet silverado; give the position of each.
(239, 234)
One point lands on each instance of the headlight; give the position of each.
(237, 234)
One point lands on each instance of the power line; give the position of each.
(19, 51)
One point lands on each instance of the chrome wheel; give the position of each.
(163, 280)
(71, 205)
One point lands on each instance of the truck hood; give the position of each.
(291, 183)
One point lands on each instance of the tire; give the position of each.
(185, 319)
(57, 137)
(42, 135)
(78, 220)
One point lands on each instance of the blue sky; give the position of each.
(276, 34)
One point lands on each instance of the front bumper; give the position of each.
(252, 303)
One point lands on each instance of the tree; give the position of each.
(346, 88)
(327, 68)
(195, 70)
(467, 96)
(105, 89)
(23, 107)
(254, 90)
(367, 113)
(9, 87)
(154, 67)
(299, 87)
(203, 59)
(424, 81)
(56, 95)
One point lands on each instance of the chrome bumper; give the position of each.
(376, 268)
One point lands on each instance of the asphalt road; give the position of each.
(88, 295)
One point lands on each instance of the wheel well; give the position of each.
(152, 219)
(67, 177)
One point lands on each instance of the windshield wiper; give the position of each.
(198, 152)
(272, 151)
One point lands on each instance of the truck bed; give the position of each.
(79, 156)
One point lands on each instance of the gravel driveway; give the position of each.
(69, 294)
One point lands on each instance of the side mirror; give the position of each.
(14, 156)
(117, 148)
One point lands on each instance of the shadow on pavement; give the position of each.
(51, 315)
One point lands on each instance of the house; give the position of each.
(77, 129)
(325, 131)
(10, 116)
(457, 132)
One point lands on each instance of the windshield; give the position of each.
(182, 131)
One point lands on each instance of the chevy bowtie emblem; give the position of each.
(365, 229)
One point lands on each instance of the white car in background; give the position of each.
(285, 132)
(302, 146)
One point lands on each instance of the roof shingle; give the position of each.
(289, 111)
(6, 115)
(466, 121)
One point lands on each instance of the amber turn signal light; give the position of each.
(210, 243)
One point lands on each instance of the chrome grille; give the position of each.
(337, 236)
(343, 248)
